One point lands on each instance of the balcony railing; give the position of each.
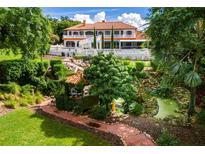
(105, 36)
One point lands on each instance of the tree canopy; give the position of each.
(110, 79)
(26, 29)
(58, 26)
(178, 41)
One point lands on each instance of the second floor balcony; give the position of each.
(105, 36)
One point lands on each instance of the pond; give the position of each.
(167, 107)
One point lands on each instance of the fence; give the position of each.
(139, 54)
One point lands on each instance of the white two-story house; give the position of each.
(82, 35)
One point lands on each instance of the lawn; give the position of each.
(23, 127)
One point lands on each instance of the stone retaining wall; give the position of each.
(112, 138)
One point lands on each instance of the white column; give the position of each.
(119, 44)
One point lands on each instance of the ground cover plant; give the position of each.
(33, 129)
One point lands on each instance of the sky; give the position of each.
(131, 15)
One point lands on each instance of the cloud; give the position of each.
(134, 19)
(81, 17)
(99, 16)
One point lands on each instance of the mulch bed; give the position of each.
(194, 135)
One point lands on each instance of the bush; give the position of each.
(201, 117)
(85, 104)
(29, 99)
(42, 68)
(53, 62)
(165, 139)
(12, 87)
(64, 103)
(23, 102)
(2, 97)
(59, 71)
(136, 109)
(21, 71)
(126, 62)
(70, 105)
(99, 112)
(142, 75)
(10, 104)
(162, 92)
(40, 83)
(27, 89)
(89, 102)
(55, 87)
(60, 104)
(10, 71)
(38, 97)
(139, 66)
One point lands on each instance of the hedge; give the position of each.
(21, 71)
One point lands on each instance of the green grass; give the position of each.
(22, 127)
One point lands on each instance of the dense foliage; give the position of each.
(110, 79)
(58, 26)
(178, 44)
(13, 95)
(166, 139)
(26, 29)
(21, 71)
(136, 109)
(99, 112)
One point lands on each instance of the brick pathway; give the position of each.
(120, 134)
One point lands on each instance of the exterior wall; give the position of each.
(77, 36)
(82, 33)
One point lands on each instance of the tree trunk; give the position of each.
(192, 102)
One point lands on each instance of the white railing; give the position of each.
(140, 54)
(106, 36)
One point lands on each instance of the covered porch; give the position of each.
(124, 44)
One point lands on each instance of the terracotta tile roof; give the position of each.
(76, 78)
(140, 35)
(101, 26)
(73, 39)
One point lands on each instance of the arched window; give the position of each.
(75, 33)
(70, 44)
(100, 33)
(129, 32)
(89, 33)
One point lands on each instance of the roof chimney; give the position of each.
(84, 21)
(103, 20)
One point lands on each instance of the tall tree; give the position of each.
(58, 25)
(94, 39)
(112, 39)
(26, 29)
(102, 41)
(110, 79)
(178, 41)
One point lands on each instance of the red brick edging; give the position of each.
(117, 134)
